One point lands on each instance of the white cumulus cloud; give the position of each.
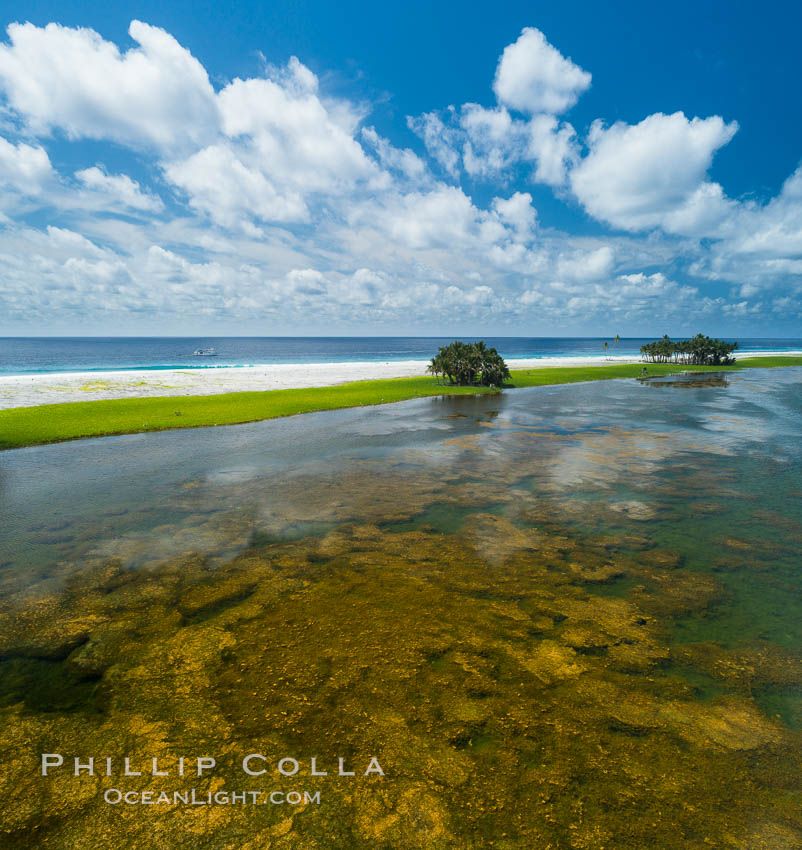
(532, 76)
(119, 189)
(280, 145)
(440, 139)
(586, 265)
(653, 174)
(488, 143)
(24, 168)
(73, 80)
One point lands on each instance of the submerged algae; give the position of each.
(509, 705)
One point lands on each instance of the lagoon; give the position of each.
(566, 615)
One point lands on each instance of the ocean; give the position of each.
(32, 355)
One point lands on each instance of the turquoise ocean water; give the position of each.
(34, 355)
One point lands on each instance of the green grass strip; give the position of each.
(51, 423)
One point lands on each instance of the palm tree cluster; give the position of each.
(699, 351)
(469, 364)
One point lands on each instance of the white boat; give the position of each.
(205, 352)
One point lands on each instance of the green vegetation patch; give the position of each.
(50, 423)
(574, 374)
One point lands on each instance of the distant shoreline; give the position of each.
(33, 389)
(39, 423)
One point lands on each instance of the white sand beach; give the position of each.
(55, 388)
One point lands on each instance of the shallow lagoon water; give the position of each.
(560, 617)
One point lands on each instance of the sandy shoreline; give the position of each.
(54, 388)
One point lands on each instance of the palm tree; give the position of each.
(468, 364)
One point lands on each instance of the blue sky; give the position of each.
(306, 167)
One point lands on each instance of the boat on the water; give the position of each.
(204, 352)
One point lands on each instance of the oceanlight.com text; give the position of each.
(193, 797)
